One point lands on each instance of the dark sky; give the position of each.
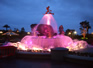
(23, 13)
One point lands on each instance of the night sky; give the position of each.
(23, 13)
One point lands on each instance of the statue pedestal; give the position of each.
(58, 54)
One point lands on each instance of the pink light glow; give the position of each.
(48, 23)
(30, 42)
(41, 43)
(44, 43)
(49, 20)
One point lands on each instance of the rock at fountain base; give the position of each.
(57, 54)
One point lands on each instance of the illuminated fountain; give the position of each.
(47, 28)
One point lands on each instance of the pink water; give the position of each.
(49, 20)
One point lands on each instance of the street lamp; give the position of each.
(1, 32)
(92, 33)
(69, 33)
(75, 32)
(28, 32)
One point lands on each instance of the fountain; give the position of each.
(47, 37)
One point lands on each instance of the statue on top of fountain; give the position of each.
(48, 11)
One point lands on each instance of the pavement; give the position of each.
(29, 63)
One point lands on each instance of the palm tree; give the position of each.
(85, 24)
(6, 26)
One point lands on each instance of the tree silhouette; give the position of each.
(6, 26)
(85, 24)
(16, 30)
(22, 29)
(32, 25)
(67, 31)
(22, 33)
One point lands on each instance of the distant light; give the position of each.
(91, 32)
(86, 38)
(75, 32)
(82, 37)
(17, 30)
(69, 33)
(1, 32)
(28, 32)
